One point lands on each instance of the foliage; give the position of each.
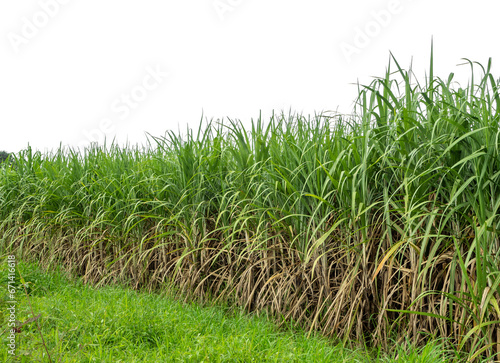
(3, 156)
(378, 226)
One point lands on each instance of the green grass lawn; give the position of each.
(80, 323)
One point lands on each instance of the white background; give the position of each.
(66, 66)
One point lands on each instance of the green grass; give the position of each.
(374, 227)
(114, 324)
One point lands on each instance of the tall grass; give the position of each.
(378, 226)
